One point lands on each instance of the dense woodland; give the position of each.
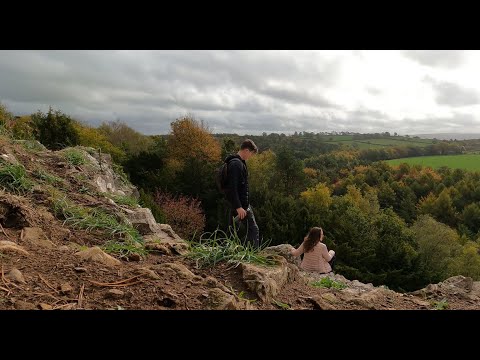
(403, 227)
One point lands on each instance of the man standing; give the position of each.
(237, 191)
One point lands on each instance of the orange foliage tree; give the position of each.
(191, 138)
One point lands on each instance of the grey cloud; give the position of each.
(143, 84)
(451, 94)
(373, 91)
(295, 97)
(440, 58)
(247, 92)
(457, 122)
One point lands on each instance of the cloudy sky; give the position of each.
(250, 92)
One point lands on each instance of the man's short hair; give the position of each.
(250, 145)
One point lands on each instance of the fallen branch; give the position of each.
(114, 285)
(116, 282)
(80, 296)
(3, 230)
(62, 306)
(4, 280)
(186, 307)
(47, 294)
(46, 282)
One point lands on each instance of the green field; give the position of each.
(377, 143)
(467, 161)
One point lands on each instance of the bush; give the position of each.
(183, 213)
(55, 130)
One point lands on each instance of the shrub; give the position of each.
(183, 213)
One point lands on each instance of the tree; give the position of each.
(190, 138)
(22, 128)
(5, 116)
(55, 129)
(317, 199)
(261, 170)
(228, 147)
(290, 175)
(436, 243)
(467, 262)
(124, 137)
(471, 217)
(92, 137)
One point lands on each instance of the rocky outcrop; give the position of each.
(267, 281)
(456, 286)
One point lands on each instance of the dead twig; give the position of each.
(126, 280)
(114, 285)
(21, 235)
(7, 290)
(80, 296)
(186, 307)
(4, 280)
(13, 284)
(46, 282)
(3, 230)
(48, 294)
(62, 306)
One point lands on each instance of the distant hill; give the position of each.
(448, 136)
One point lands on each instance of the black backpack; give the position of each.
(221, 176)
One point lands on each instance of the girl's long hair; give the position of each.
(312, 238)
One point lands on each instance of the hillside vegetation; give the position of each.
(73, 237)
(402, 226)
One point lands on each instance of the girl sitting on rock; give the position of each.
(316, 257)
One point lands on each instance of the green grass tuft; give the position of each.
(74, 157)
(13, 177)
(326, 282)
(217, 247)
(129, 239)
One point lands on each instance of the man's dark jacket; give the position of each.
(237, 182)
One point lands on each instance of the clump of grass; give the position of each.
(440, 305)
(281, 305)
(118, 170)
(123, 249)
(31, 145)
(94, 219)
(326, 282)
(241, 296)
(13, 177)
(124, 200)
(74, 157)
(217, 247)
(48, 178)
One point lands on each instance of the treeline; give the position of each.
(403, 226)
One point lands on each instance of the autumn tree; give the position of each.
(190, 138)
(316, 201)
(261, 170)
(5, 115)
(92, 137)
(124, 137)
(22, 128)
